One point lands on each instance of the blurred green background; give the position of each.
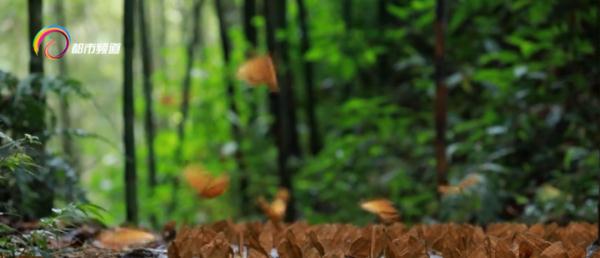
(522, 109)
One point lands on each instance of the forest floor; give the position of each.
(298, 240)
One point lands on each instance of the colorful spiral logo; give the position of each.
(41, 35)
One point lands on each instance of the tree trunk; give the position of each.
(252, 37)
(441, 95)
(383, 15)
(595, 89)
(185, 96)
(235, 127)
(36, 63)
(282, 105)
(128, 114)
(64, 108)
(287, 92)
(67, 143)
(347, 6)
(311, 102)
(383, 64)
(249, 29)
(162, 32)
(36, 125)
(273, 96)
(274, 102)
(149, 122)
(347, 13)
(148, 70)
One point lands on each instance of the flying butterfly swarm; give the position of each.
(390, 239)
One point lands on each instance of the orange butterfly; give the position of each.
(382, 208)
(205, 184)
(275, 210)
(259, 70)
(470, 180)
(167, 100)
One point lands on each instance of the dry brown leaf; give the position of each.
(576, 235)
(233, 233)
(173, 251)
(299, 230)
(361, 248)
(450, 253)
(253, 253)
(499, 248)
(336, 239)
(200, 242)
(377, 239)
(289, 249)
(505, 230)
(311, 253)
(393, 241)
(576, 253)
(270, 236)
(382, 208)
(218, 248)
(555, 250)
(409, 246)
(479, 252)
(537, 229)
(312, 237)
(530, 245)
(169, 231)
(435, 236)
(395, 230)
(124, 238)
(334, 254)
(253, 239)
(205, 184)
(259, 70)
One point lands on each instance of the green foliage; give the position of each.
(38, 242)
(13, 154)
(21, 161)
(519, 112)
(362, 159)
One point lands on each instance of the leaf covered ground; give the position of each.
(301, 240)
(298, 240)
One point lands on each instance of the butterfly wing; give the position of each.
(216, 187)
